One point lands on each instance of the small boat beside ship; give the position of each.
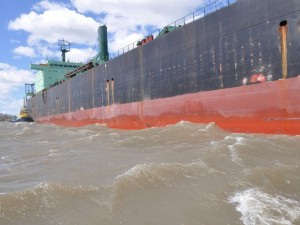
(23, 115)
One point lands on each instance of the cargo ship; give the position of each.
(234, 63)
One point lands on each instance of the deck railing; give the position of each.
(199, 13)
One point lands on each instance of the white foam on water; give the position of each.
(210, 126)
(258, 207)
(22, 131)
(6, 163)
(232, 143)
(182, 123)
(53, 152)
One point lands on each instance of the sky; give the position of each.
(30, 30)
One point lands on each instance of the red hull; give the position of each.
(269, 107)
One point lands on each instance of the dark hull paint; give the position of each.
(194, 73)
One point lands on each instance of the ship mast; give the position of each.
(64, 48)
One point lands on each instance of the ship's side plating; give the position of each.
(227, 67)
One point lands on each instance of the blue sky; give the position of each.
(30, 30)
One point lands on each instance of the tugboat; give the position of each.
(23, 115)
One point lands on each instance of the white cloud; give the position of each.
(11, 80)
(80, 55)
(48, 5)
(55, 24)
(24, 51)
(51, 21)
(151, 12)
(10, 106)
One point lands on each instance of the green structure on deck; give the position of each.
(51, 73)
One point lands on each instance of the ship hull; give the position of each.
(238, 67)
(270, 107)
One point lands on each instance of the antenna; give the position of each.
(64, 47)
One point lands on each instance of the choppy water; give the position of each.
(180, 174)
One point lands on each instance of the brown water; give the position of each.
(183, 174)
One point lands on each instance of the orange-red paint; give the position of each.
(268, 107)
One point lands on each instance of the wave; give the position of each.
(156, 174)
(278, 177)
(52, 203)
(258, 207)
